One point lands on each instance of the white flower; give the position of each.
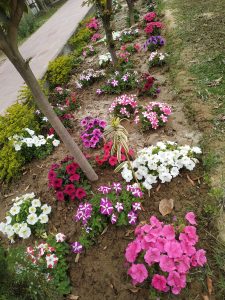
(32, 209)
(51, 260)
(17, 146)
(174, 171)
(45, 119)
(31, 132)
(127, 174)
(60, 237)
(14, 210)
(46, 209)
(8, 220)
(196, 150)
(56, 143)
(16, 227)
(43, 218)
(24, 232)
(2, 227)
(36, 203)
(9, 231)
(32, 219)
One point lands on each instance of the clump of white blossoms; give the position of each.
(104, 59)
(30, 139)
(27, 215)
(88, 77)
(161, 162)
(157, 58)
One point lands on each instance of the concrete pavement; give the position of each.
(43, 46)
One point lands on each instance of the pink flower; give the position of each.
(159, 283)
(155, 222)
(113, 161)
(80, 193)
(168, 232)
(152, 256)
(191, 235)
(190, 217)
(132, 251)
(187, 248)
(166, 264)
(74, 177)
(173, 249)
(177, 281)
(138, 273)
(182, 264)
(199, 259)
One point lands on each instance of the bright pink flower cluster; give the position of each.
(109, 159)
(124, 106)
(153, 28)
(66, 179)
(150, 16)
(174, 253)
(154, 115)
(95, 37)
(93, 24)
(123, 56)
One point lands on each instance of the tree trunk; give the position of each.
(130, 4)
(42, 5)
(23, 68)
(109, 39)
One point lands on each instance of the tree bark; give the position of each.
(130, 4)
(109, 39)
(23, 68)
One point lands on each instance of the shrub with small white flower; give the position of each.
(129, 35)
(152, 116)
(49, 258)
(119, 82)
(105, 59)
(88, 77)
(124, 106)
(113, 204)
(31, 145)
(27, 215)
(161, 162)
(157, 59)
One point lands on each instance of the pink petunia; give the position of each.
(159, 283)
(168, 232)
(166, 264)
(176, 281)
(138, 273)
(199, 259)
(173, 249)
(190, 217)
(132, 251)
(151, 256)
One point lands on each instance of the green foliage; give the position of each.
(17, 117)
(136, 17)
(27, 25)
(59, 70)
(26, 95)
(19, 280)
(82, 36)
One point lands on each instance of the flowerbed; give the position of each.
(124, 106)
(68, 181)
(168, 253)
(157, 59)
(153, 116)
(161, 162)
(88, 77)
(153, 28)
(92, 136)
(89, 51)
(105, 59)
(129, 35)
(26, 216)
(113, 204)
(148, 85)
(153, 43)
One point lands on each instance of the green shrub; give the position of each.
(59, 70)
(27, 25)
(26, 95)
(17, 117)
(20, 281)
(82, 36)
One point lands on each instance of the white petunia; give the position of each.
(56, 143)
(14, 210)
(16, 227)
(32, 209)
(46, 209)
(8, 220)
(24, 232)
(43, 218)
(36, 203)
(32, 219)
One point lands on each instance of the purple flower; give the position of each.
(83, 213)
(113, 219)
(87, 144)
(132, 217)
(117, 187)
(99, 91)
(136, 192)
(130, 188)
(119, 206)
(104, 189)
(94, 139)
(106, 207)
(102, 124)
(114, 82)
(97, 132)
(76, 247)
(83, 122)
(136, 206)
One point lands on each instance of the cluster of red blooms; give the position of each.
(150, 16)
(109, 159)
(66, 180)
(153, 28)
(147, 84)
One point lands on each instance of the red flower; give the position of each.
(98, 160)
(69, 189)
(73, 195)
(108, 146)
(51, 175)
(51, 131)
(80, 193)
(131, 152)
(60, 196)
(75, 177)
(113, 161)
(123, 157)
(71, 168)
(57, 183)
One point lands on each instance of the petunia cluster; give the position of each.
(111, 160)
(150, 16)
(95, 37)
(67, 180)
(93, 24)
(153, 28)
(119, 82)
(132, 48)
(29, 139)
(92, 131)
(124, 106)
(157, 59)
(129, 35)
(27, 215)
(123, 56)
(153, 43)
(153, 115)
(65, 97)
(168, 254)
(148, 85)
(88, 51)
(104, 59)
(161, 162)
(88, 77)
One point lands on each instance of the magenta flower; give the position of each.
(114, 82)
(119, 206)
(113, 218)
(159, 283)
(169, 232)
(76, 247)
(199, 258)
(173, 249)
(176, 281)
(99, 92)
(136, 206)
(132, 217)
(138, 273)
(151, 256)
(166, 264)
(106, 207)
(117, 187)
(132, 251)
(104, 189)
(136, 192)
(190, 217)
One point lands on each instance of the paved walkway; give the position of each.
(43, 46)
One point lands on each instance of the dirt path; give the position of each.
(43, 46)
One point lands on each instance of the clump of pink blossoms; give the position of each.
(124, 106)
(174, 253)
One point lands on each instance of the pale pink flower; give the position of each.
(132, 251)
(173, 249)
(159, 283)
(138, 273)
(190, 217)
(166, 264)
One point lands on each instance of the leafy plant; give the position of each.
(82, 36)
